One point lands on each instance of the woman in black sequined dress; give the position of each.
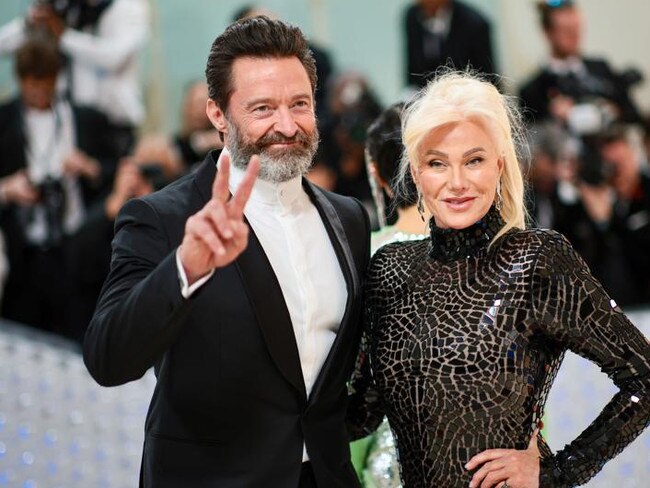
(467, 329)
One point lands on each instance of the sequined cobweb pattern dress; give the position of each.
(463, 341)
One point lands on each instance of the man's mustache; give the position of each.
(276, 138)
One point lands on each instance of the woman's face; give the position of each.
(457, 173)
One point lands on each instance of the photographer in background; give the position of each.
(153, 163)
(611, 229)
(352, 106)
(586, 101)
(196, 136)
(552, 194)
(101, 40)
(583, 93)
(55, 159)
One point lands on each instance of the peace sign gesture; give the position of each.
(217, 234)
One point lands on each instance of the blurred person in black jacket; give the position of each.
(153, 164)
(611, 226)
(196, 137)
(584, 93)
(353, 106)
(444, 32)
(552, 176)
(55, 160)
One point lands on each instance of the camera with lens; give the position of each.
(153, 173)
(593, 115)
(52, 198)
(77, 14)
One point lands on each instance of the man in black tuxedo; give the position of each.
(248, 308)
(56, 159)
(445, 33)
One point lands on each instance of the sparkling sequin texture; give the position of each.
(460, 350)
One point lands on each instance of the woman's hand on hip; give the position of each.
(506, 468)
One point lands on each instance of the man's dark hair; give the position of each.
(256, 37)
(385, 148)
(38, 56)
(547, 7)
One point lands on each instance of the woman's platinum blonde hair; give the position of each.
(456, 97)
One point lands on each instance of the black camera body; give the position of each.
(153, 173)
(590, 92)
(77, 14)
(53, 199)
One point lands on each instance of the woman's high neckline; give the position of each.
(451, 244)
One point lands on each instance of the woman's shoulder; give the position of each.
(393, 260)
(401, 250)
(534, 239)
(544, 250)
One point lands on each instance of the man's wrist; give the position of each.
(189, 287)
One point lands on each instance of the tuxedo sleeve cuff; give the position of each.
(186, 289)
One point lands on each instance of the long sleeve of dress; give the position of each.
(572, 309)
(365, 407)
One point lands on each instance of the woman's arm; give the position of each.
(365, 406)
(573, 309)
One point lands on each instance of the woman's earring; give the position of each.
(420, 206)
(499, 202)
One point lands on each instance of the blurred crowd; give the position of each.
(72, 151)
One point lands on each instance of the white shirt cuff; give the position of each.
(188, 290)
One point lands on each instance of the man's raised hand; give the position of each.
(217, 234)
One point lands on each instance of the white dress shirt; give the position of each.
(299, 249)
(50, 136)
(105, 66)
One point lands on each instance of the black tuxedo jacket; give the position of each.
(229, 408)
(92, 132)
(468, 43)
(536, 93)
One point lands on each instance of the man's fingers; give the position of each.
(213, 242)
(216, 212)
(240, 239)
(202, 230)
(237, 204)
(220, 189)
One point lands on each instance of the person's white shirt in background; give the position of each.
(105, 70)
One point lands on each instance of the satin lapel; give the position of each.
(341, 246)
(271, 311)
(264, 293)
(204, 176)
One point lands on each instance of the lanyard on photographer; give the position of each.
(44, 158)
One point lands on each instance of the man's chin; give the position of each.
(283, 168)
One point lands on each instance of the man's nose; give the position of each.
(285, 124)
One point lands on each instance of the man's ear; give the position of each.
(216, 116)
